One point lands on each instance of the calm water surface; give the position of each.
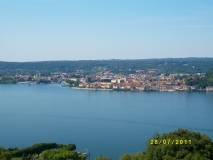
(105, 122)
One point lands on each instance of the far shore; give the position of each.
(107, 89)
(94, 89)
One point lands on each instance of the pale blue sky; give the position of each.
(40, 30)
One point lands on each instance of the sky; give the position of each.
(43, 30)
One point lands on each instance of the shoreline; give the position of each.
(93, 89)
(101, 89)
(96, 89)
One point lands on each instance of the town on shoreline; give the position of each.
(149, 80)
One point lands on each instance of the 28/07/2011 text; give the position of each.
(170, 141)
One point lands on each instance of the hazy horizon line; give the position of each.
(115, 59)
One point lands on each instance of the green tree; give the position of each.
(126, 157)
(200, 145)
(71, 147)
(196, 147)
(102, 158)
(138, 156)
(73, 83)
(7, 80)
(201, 82)
(35, 149)
(61, 154)
(4, 155)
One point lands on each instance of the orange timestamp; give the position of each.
(171, 141)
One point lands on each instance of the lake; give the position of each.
(107, 123)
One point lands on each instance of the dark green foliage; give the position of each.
(45, 74)
(70, 147)
(29, 152)
(175, 65)
(7, 80)
(12, 149)
(102, 158)
(61, 154)
(10, 80)
(201, 82)
(105, 80)
(5, 155)
(136, 156)
(200, 145)
(28, 157)
(35, 149)
(43, 81)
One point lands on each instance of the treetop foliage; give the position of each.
(61, 154)
(4, 155)
(200, 148)
(102, 158)
(36, 149)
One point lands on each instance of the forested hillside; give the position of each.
(170, 65)
(201, 82)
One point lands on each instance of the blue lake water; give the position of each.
(107, 123)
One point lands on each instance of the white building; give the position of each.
(209, 88)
